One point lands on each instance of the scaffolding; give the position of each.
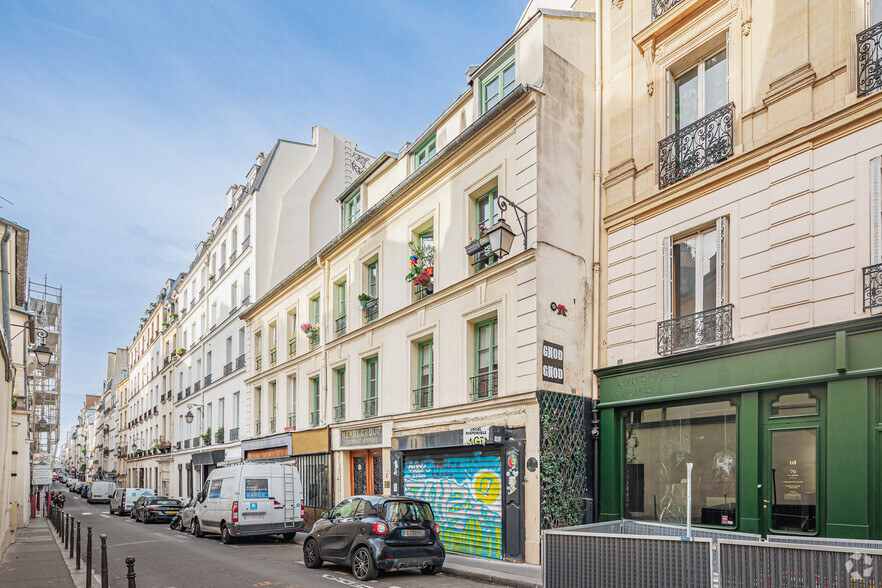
(44, 383)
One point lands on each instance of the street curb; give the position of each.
(499, 580)
(78, 577)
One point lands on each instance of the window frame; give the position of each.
(371, 387)
(352, 208)
(340, 392)
(483, 259)
(721, 226)
(422, 367)
(699, 65)
(497, 78)
(428, 150)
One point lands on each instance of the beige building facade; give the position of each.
(408, 351)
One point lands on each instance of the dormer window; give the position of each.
(351, 208)
(424, 153)
(496, 87)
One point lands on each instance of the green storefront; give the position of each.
(784, 434)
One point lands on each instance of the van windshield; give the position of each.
(409, 512)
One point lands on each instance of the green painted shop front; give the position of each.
(784, 434)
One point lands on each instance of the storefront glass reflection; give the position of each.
(659, 442)
(794, 480)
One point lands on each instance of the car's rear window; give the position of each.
(161, 502)
(402, 511)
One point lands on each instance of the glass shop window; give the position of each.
(660, 442)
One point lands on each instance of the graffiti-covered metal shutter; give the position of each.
(465, 492)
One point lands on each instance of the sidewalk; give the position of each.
(34, 560)
(520, 575)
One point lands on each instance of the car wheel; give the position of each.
(110, 509)
(431, 570)
(197, 530)
(311, 554)
(363, 566)
(226, 536)
(288, 536)
(146, 519)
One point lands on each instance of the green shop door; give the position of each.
(793, 462)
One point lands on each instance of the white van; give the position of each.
(100, 492)
(124, 498)
(250, 499)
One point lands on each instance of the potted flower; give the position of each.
(422, 257)
(219, 435)
(310, 330)
(477, 243)
(206, 437)
(364, 299)
(173, 316)
(180, 351)
(164, 325)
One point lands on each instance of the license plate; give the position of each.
(412, 533)
(172, 512)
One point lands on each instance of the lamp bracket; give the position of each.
(503, 204)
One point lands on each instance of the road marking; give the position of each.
(138, 542)
(106, 516)
(85, 513)
(345, 581)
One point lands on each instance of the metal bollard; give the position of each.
(79, 551)
(105, 581)
(130, 564)
(71, 525)
(64, 530)
(89, 556)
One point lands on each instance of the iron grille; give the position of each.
(228, 369)
(197, 386)
(869, 58)
(240, 361)
(422, 397)
(233, 256)
(272, 427)
(246, 300)
(696, 147)
(564, 426)
(695, 330)
(313, 469)
(372, 309)
(196, 441)
(873, 286)
(246, 242)
(258, 362)
(189, 390)
(423, 290)
(340, 412)
(292, 419)
(292, 346)
(234, 434)
(186, 444)
(485, 386)
(340, 326)
(257, 427)
(313, 341)
(370, 407)
(273, 356)
(208, 379)
(378, 474)
(314, 418)
(359, 475)
(660, 7)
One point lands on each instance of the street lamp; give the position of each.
(189, 416)
(500, 234)
(41, 350)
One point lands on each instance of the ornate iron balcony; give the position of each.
(341, 326)
(873, 286)
(233, 256)
(207, 380)
(246, 242)
(422, 397)
(257, 427)
(659, 7)
(696, 147)
(197, 386)
(485, 386)
(188, 390)
(272, 425)
(370, 407)
(273, 356)
(372, 309)
(240, 362)
(340, 412)
(186, 444)
(228, 369)
(292, 419)
(314, 418)
(292, 346)
(258, 363)
(196, 441)
(234, 434)
(695, 330)
(869, 60)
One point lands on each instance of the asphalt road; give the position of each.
(171, 559)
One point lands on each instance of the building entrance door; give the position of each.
(367, 471)
(793, 462)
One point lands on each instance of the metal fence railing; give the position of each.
(574, 559)
(797, 565)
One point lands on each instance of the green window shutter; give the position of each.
(667, 280)
(370, 378)
(722, 260)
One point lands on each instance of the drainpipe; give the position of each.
(595, 253)
(4, 275)
(326, 397)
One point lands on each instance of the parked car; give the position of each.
(139, 504)
(77, 487)
(158, 509)
(100, 492)
(182, 522)
(124, 498)
(372, 533)
(84, 491)
(250, 499)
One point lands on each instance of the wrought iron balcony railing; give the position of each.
(292, 419)
(197, 441)
(240, 362)
(234, 434)
(233, 256)
(485, 386)
(873, 286)
(372, 310)
(189, 390)
(869, 60)
(422, 397)
(207, 380)
(257, 427)
(659, 7)
(273, 356)
(258, 363)
(340, 326)
(370, 407)
(695, 330)
(292, 346)
(314, 341)
(228, 369)
(186, 444)
(696, 147)
(272, 425)
(197, 386)
(314, 418)
(246, 242)
(340, 412)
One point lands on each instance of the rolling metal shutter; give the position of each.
(465, 491)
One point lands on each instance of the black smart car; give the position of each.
(373, 533)
(156, 509)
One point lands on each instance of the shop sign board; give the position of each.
(363, 436)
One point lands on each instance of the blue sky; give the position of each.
(122, 124)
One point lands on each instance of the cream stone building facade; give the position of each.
(742, 143)
(379, 376)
